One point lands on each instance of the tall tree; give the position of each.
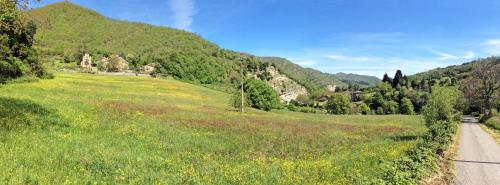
(398, 79)
(487, 76)
(387, 79)
(17, 57)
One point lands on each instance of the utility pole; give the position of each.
(242, 109)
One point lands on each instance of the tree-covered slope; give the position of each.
(66, 31)
(458, 72)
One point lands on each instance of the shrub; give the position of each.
(235, 100)
(354, 109)
(339, 103)
(292, 107)
(494, 122)
(440, 106)
(390, 107)
(365, 110)
(260, 95)
(380, 111)
(407, 107)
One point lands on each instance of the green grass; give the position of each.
(81, 128)
(494, 122)
(492, 126)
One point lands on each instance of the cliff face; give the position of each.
(286, 88)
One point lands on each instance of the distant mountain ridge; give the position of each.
(66, 31)
(314, 79)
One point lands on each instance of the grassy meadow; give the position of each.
(82, 128)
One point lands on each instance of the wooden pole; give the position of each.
(242, 110)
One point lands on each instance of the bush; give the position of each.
(407, 107)
(308, 110)
(440, 106)
(365, 110)
(235, 100)
(380, 111)
(390, 107)
(260, 95)
(339, 103)
(292, 107)
(494, 122)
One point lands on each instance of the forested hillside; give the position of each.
(67, 31)
(458, 72)
(479, 81)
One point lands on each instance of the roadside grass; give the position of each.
(81, 128)
(492, 126)
(493, 122)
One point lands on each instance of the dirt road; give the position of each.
(479, 156)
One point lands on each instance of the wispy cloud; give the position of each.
(492, 46)
(183, 12)
(448, 56)
(342, 57)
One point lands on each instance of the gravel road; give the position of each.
(479, 156)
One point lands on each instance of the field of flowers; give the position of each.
(82, 128)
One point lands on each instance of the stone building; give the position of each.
(86, 61)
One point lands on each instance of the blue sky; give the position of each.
(369, 37)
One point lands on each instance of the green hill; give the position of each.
(66, 31)
(458, 72)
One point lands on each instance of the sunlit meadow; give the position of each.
(82, 128)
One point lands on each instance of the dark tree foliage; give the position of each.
(387, 79)
(398, 79)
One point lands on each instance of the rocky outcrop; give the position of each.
(114, 63)
(286, 88)
(331, 88)
(148, 69)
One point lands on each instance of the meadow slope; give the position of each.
(82, 128)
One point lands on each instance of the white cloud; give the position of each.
(306, 63)
(341, 57)
(183, 12)
(493, 42)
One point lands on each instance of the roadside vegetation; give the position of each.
(494, 122)
(442, 119)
